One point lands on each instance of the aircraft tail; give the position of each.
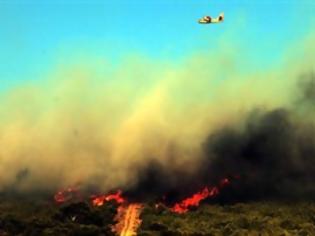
(221, 16)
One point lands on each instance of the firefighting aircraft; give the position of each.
(209, 20)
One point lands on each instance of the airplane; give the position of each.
(208, 19)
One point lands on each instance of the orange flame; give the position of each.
(73, 193)
(100, 200)
(128, 218)
(134, 209)
(183, 206)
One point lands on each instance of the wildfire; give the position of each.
(100, 200)
(194, 201)
(73, 193)
(67, 194)
(184, 205)
(128, 218)
(128, 215)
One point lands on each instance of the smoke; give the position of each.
(273, 151)
(147, 127)
(268, 154)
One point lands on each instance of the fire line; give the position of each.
(128, 218)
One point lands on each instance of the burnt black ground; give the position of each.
(21, 217)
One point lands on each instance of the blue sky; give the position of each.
(34, 35)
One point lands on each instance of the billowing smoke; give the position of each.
(270, 154)
(149, 128)
(273, 151)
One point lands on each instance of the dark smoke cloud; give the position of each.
(157, 182)
(273, 152)
(274, 155)
(269, 155)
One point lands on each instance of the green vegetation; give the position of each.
(47, 219)
(230, 220)
(81, 219)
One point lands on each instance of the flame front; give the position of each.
(184, 205)
(128, 218)
(100, 200)
(128, 215)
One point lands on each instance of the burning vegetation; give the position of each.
(240, 179)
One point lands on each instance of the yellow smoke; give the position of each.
(97, 125)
